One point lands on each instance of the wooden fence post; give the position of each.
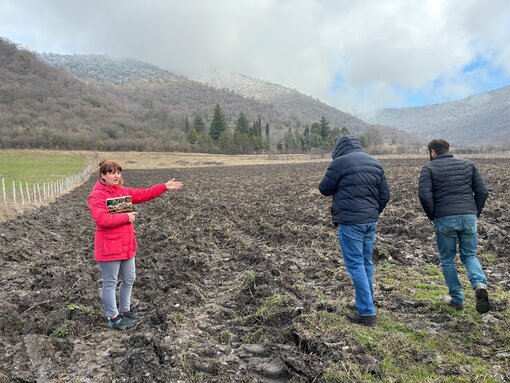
(3, 191)
(21, 193)
(14, 193)
(28, 192)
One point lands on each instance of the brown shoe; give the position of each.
(449, 301)
(482, 299)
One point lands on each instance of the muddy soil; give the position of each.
(225, 269)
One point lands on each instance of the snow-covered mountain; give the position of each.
(246, 86)
(475, 121)
(282, 108)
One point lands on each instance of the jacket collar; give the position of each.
(442, 155)
(104, 187)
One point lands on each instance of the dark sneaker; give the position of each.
(121, 322)
(130, 314)
(361, 319)
(449, 301)
(482, 300)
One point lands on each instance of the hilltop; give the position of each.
(279, 106)
(477, 121)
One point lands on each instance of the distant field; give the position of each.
(160, 160)
(36, 166)
(46, 165)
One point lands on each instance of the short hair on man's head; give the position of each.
(440, 146)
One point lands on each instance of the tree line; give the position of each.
(45, 107)
(248, 137)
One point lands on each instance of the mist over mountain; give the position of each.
(99, 102)
(482, 120)
(279, 106)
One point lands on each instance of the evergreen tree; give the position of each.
(257, 128)
(325, 130)
(218, 124)
(242, 124)
(267, 135)
(293, 141)
(192, 136)
(335, 135)
(198, 124)
(186, 125)
(314, 136)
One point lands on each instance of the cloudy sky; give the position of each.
(354, 55)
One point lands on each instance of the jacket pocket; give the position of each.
(112, 245)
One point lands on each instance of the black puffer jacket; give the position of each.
(451, 186)
(357, 183)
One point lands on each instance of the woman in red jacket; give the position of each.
(110, 204)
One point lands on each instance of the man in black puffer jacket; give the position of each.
(360, 192)
(452, 193)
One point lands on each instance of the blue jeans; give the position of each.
(357, 243)
(459, 229)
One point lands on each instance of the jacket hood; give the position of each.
(346, 145)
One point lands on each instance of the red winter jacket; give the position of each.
(115, 236)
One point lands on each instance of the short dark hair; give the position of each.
(440, 146)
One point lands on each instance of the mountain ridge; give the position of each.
(479, 120)
(284, 107)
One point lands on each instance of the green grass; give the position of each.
(404, 354)
(272, 306)
(429, 343)
(34, 167)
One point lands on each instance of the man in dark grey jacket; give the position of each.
(452, 193)
(360, 192)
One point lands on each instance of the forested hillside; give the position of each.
(42, 106)
(482, 120)
(96, 102)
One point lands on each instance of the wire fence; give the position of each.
(18, 195)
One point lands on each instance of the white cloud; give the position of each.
(377, 48)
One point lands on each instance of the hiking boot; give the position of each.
(449, 301)
(130, 314)
(482, 299)
(365, 320)
(352, 304)
(121, 323)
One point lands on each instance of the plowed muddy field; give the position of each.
(239, 279)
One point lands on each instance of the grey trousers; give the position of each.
(111, 271)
